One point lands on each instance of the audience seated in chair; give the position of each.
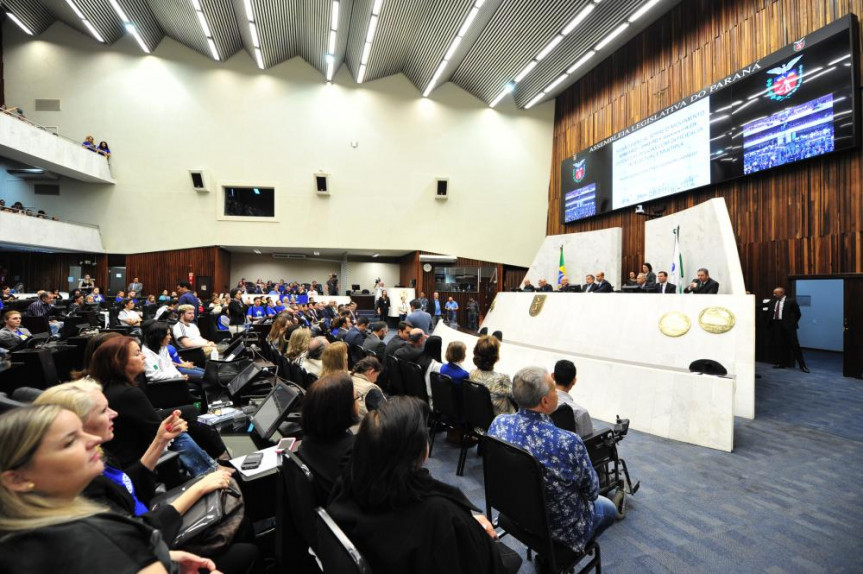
(375, 340)
(456, 352)
(564, 380)
(330, 409)
(357, 335)
(486, 353)
(186, 332)
(334, 359)
(400, 339)
(576, 512)
(47, 525)
(365, 377)
(12, 334)
(430, 526)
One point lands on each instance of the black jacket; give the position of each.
(708, 287)
(436, 534)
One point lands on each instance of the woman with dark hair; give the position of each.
(329, 411)
(486, 353)
(157, 360)
(650, 276)
(428, 524)
(164, 296)
(103, 149)
(116, 364)
(46, 462)
(365, 376)
(456, 352)
(382, 306)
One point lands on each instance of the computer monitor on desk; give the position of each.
(274, 409)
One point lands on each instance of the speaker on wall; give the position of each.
(198, 180)
(442, 188)
(322, 183)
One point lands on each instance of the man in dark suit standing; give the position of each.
(784, 317)
(603, 286)
(662, 284)
(703, 284)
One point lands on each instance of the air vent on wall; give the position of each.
(288, 256)
(47, 105)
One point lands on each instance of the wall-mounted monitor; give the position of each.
(250, 202)
(797, 103)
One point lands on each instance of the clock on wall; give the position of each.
(427, 267)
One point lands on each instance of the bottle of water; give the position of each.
(214, 354)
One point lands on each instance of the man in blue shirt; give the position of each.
(576, 512)
(184, 288)
(256, 312)
(419, 318)
(451, 311)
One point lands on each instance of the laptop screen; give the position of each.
(271, 412)
(242, 379)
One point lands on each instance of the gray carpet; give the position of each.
(787, 500)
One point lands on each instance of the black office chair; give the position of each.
(355, 354)
(446, 412)
(514, 486)
(337, 553)
(564, 417)
(295, 516)
(413, 380)
(39, 368)
(478, 413)
(395, 386)
(194, 355)
(35, 324)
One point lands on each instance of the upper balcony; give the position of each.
(26, 142)
(19, 231)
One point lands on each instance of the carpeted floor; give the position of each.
(787, 500)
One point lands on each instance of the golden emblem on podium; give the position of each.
(674, 324)
(536, 304)
(717, 320)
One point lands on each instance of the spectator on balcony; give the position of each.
(18, 207)
(89, 144)
(103, 149)
(3, 205)
(41, 214)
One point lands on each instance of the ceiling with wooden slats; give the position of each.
(413, 37)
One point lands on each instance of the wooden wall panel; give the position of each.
(800, 219)
(50, 270)
(160, 270)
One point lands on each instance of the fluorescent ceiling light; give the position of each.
(579, 18)
(614, 34)
(376, 9)
(256, 42)
(468, 21)
(452, 48)
(259, 58)
(534, 101)
(361, 74)
(197, 6)
(94, 32)
(551, 46)
(257, 251)
(641, 11)
(506, 90)
(331, 45)
(119, 10)
(526, 71)
(247, 4)
(334, 25)
(376, 255)
(367, 48)
(581, 61)
(555, 83)
(76, 10)
(134, 32)
(203, 22)
(213, 51)
(373, 27)
(20, 24)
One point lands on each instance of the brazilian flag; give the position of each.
(561, 268)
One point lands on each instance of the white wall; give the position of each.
(588, 252)
(178, 110)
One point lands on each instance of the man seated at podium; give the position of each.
(527, 286)
(544, 286)
(589, 284)
(603, 286)
(565, 287)
(564, 380)
(662, 284)
(643, 285)
(12, 334)
(703, 283)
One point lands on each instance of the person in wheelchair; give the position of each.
(577, 513)
(564, 380)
